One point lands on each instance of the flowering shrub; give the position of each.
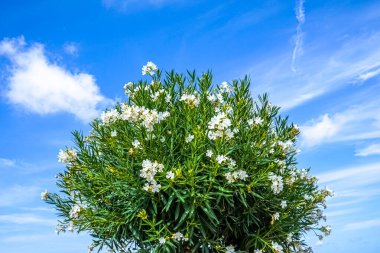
(184, 166)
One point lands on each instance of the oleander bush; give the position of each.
(187, 166)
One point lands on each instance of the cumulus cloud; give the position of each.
(41, 86)
(358, 122)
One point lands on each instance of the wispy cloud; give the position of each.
(40, 86)
(26, 219)
(4, 162)
(353, 176)
(71, 48)
(358, 122)
(300, 16)
(373, 149)
(321, 69)
(124, 4)
(363, 224)
(18, 194)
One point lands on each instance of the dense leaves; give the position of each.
(187, 166)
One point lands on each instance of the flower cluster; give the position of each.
(219, 126)
(236, 175)
(149, 69)
(191, 100)
(147, 117)
(148, 171)
(67, 156)
(74, 212)
(277, 184)
(179, 237)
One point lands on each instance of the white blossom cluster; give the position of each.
(285, 145)
(189, 138)
(236, 175)
(67, 156)
(255, 121)
(148, 171)
(219, 125)
(149, 69)
(277, 184)
(147, 117)
(277, 248)
(230, 249)
(191, 100)
(74, 212)
(44, 195)
(180, 237)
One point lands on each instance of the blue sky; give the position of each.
(62, 62)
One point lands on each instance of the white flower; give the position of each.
(148, 171)
(237, 175)
(74, 212)
(283, 204)
(162, 240)
(59, 228)
(44, 195)
(289, 238)
(190, 99)
(219, 125)
(225, 88)
(70, 227)
(258, 251)
(189, 138)
(170, 175)
(68, 156)
(136, 144)
(149, 69)
(230, 178)
(328, 192)
(211, 98)
(230, 249)
(178, 236)
(168, 98)
(209, 153)
(277, 247)
(110, 116)
(250, 122)
(276, 216)
(326, 230)
(258, 120)
(221, 158)
(114, 133)
(162, 139)
(277, 184)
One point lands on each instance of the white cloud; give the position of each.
(363, 224)
(7, 162)
(18, 195)
(358, 122)
(43, 87)
(71, 49)
(353, 176)
(300, 15)
(320, 70)
(26, 219)
(123, 4)
(373, 149)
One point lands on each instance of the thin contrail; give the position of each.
(300, 15)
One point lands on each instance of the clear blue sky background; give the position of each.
(62, 62)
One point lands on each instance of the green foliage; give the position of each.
(183, 166)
